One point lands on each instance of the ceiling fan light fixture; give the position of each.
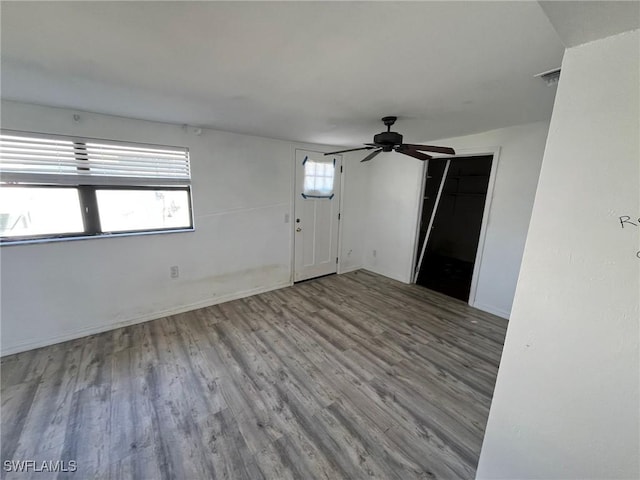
(393, 141)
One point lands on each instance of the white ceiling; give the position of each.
(322, 72)
(579, 22)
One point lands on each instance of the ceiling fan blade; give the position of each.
(370, 156)
(430, 148)
(414, 154)
(350, 150)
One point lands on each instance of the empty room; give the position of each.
(320, 240)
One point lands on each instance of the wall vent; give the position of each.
(551, 77)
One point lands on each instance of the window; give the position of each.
(60, 187)
(318, 178)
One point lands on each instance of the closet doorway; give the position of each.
(454, 203)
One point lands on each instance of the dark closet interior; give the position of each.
(450, 253)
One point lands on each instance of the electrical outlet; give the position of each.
(375, 253)
(174, 271)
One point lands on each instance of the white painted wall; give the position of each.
(566, 403)
(354, 211)
(242, 189)
(393, 201)
(395, 198)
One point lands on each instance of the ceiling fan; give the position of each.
(392, 141)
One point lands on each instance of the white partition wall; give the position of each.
(566, 403)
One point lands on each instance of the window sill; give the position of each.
(6, 243)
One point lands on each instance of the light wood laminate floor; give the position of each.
(347, 376)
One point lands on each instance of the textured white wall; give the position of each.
(394, 200)
(566, 403)
(354, 213)
(241, 193)
(392, 214)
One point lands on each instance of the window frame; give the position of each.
(87, 197)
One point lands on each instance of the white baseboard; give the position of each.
(83, 332)
(384, 273)
(349, 269)
(480, 306)
(494, 310)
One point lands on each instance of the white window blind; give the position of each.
(40, 158)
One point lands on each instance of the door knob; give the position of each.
(298, 229)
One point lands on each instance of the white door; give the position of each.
(317, 205)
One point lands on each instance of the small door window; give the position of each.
(318, 178)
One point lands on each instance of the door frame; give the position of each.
(460, 153)
(292, 207)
